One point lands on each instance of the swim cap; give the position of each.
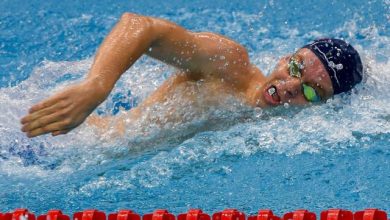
(341, 61)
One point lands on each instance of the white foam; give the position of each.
(310, 130)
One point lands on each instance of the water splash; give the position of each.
(306, 131)
(96, 165)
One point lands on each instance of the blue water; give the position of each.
(333, 155)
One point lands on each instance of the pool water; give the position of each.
(331, 155)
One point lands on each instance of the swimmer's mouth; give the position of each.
(271, 95)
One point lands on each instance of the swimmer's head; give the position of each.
(341, 61)
(314, 73)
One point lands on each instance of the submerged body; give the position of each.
(210, 64)
(178, 101)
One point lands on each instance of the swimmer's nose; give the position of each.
(290, 89)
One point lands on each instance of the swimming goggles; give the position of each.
(309, 92)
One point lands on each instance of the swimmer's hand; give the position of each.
(63, 111)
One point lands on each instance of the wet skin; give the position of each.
(289, 88)
(220, 63)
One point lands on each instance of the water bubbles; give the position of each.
(339, 66)
(281, 133)
(226, 169)
(335, 66)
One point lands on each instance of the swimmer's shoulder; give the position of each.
(224, 40)
(222, 54)
(251, 68)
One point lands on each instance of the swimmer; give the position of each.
(313, 74)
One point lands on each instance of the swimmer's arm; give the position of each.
(198, 54)
(69, 108)
(131, 37)
(64, 111)
(135, 35)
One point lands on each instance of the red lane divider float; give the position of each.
(264, 215)
(18, 214)
(90, 214)
(229, 214)
(159, 214)
(124, 215)
(194, 214)
(370, 214)
(197, 214)
(53, 215)
(301, 214)
(336, 214)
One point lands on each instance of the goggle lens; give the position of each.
(310, 93)
(294, 67)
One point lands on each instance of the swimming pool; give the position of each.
(332, 155)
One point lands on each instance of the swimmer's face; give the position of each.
(281, 87)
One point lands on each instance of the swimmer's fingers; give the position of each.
(66, 110)
(55, 133)
(57, 126)
(32, 117)
(45, 118)
(45, 104)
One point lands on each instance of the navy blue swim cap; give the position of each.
(341, 61)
